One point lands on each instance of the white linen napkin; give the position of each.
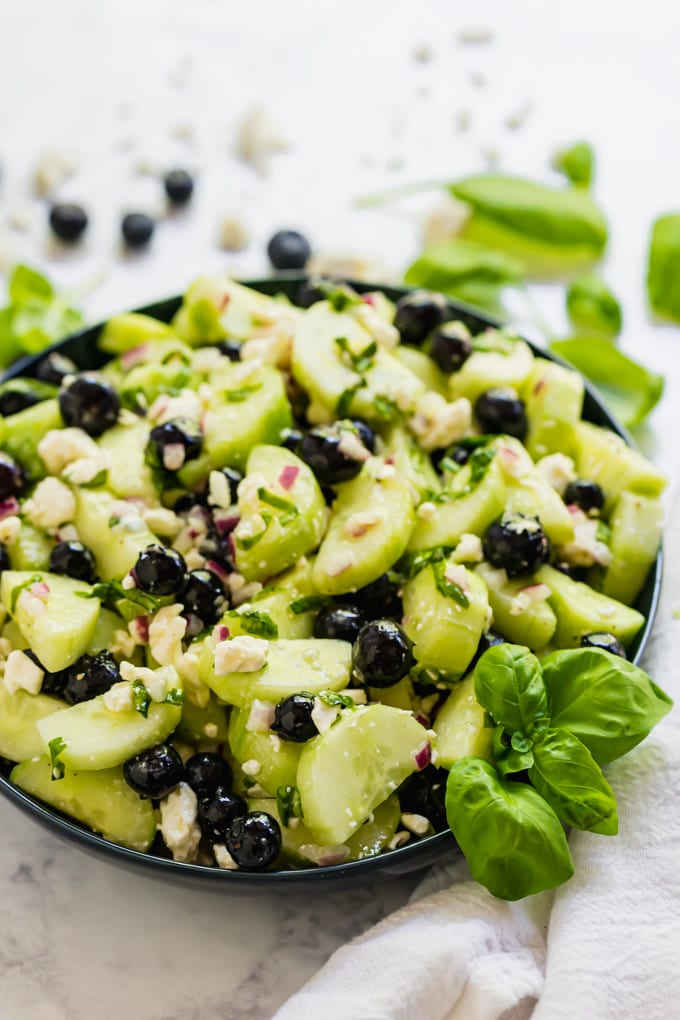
(605, 946)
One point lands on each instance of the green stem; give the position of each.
(390, 194)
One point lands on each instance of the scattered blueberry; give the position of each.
(418, 314)
(4, 558)
(322, 449)
(608, 642)
(206, 771)
(254, 840)
(382, 654)
(54, 367)
(137, 229)
(501, 411)
(90, 404)
(160, 570)
(90, 676)
(424, 793)
(230, 349)
(584, 494)
(293, 718)
(179, 186)
(174, 443)
(217, 814)
(288, 249)
(155, 772)
(203, 595)
(449, 346)
(12, 479)
(12, 401)
(68, 221)
(73, 559)
(339, 623)
(379, 600)
(517, 544)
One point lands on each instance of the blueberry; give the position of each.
(174, 443)
(254, 840)
(203, 595)
(419, 313)
(4, 558)
(160, 570)
(179, 186)
(486, 641)
(52, 683)
(74, 560)
(608, 642)
(288, 249)
(230, 349)
(501, 411)
(293, 718)
(365, 433)
(137, 229)
(517, 544)
(12, 479)
(90, 676)
(378, 600)
(314, 288)
(217, 814)
(584, 494)
(206, 771)
(234, 479)
(339, 623)
(382, 654)
(155, 772)
(575, 573)
(89, 404)
(14, 400)
(449, 346)
(424, 793)
(185, 503)
(291, 439)
(68, 221)
(54, 367)
(322, 448)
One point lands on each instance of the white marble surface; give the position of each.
(118, 82)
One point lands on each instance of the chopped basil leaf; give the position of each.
(141, 697)
(271, 499)
(449, 588)
(55, 747)
(288, 803)
(96, 483)
(307, 603)
(237, 396)
(16, 592)
(174, 697)
(260, 624)
(345, 401)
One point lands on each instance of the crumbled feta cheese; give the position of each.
(427, 511)
(9, 529)
(173, 456)
(240, 655)
(210, 729)
(350, 446)
(258, 138)
(156, 681)
(179, 828)
(123, 645)
(52, 504)
(21, 673)
(195, 691)
(223, 858)
(60, 447)
(586, 549)
(475, 35)
(233, 235)
(468, 550)
(275, 349)
(195, 560)
(119, 698)
(86, 469)
(417, 824)
(323, 716)
(384, 332)
(437, 423)
(261, 716)
(527, 597)
(53, 167)
(385, 471)
(166, 631)
(252, 767)
(219, 493)
(186, 404)
(558, 470)
(161, 521)
(68, 533)
(457, 574)
(359, 523)
(128, 583)
(398, 839)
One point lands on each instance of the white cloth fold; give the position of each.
(611, 949)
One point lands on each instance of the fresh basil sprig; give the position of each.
(468, 271)
(577, 163)
(663, 267)
(592, 308)
(509, 685)
(35, 317)
(567, 776)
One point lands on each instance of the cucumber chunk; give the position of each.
(410, 462)
(533, 625)
(424, 368)
(636, 526)
(581, 610)
(278, 525)
(206, 724)
(445, 631)
(553, 396)
(97, 738)
(507, 366)
(461, 727)
(129, 474)
(215, 306)
(370, 526)
(529, 492)
(19, 713)
(23, 431)
(278, 758)
(107, 624)
(58, 625)
(125, 332)
(31, 549)
(101, 800)
(347, 771)
(115, 548)
(604, 458)
(291, 666)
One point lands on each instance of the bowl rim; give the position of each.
(401, 860)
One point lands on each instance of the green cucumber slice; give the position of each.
(31, 549)
(581, 610)
(461, 727)
(19, 713)
(534, 626)
(637, 523)
(114, 547)
(603, 457)
(129, 474)
(553, 396)
(278, 758)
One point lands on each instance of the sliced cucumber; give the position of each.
(529, 492)
(103, 638)
(207, 724)
(533, 625)
(461, 726)
(101, 800)
(347, 771)
(129, 474)
(291, 666)
(24, 431)
(636, 524)
(604, 458)
(553, 396)
(125, 332)
(424, 368)
(115, 548)
(410, 462)
(580, 610)
(215, 306)
(370, 526)
(19, 713)
(278, 759)
(510, 365)
(31, 549)
(58, 624)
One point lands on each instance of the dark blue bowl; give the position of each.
(82, 349)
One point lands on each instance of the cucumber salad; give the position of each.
(286, 585)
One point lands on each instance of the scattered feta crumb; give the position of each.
(359, 523)
(350, 446)
(240, 655)
(85, 469)
(475, 35)
(166, 631)
(219, 493)
(234, 234)
(52, 504)
(517, 118)
(384, 332)
(585, 550)
(427, 511)
(162, 521)
(274, 349)
(463, 119)
(558, 470)
(422, 53)
(417, 824)
(258, 139)
(468, 550)
(252, 767)
(187, 404)
(21, 673)
(210, 729)
(457, 574)
(128, 583)
(9, 529)
(21, 218)
(223, 858)
(156, 681)
(119, 698)
(398, 839)
(123, 645)
(323, 716)
(261, 716)
(53, 167)
(60, 447)
(528, 596)
(179, 828)
(437, 423)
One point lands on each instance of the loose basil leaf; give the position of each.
(608, 703)
(509, 685)
(513, 841)
(592, 307)
(629, 390)
(566, 775)
(663, 267)
(288, 803)
(466, 270)
(577, 163)
(550, 231)
(35, 316)
(257, 623)
(26, 283)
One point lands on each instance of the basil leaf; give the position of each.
(577, 163)
(608, 703)
(141, 698)
(551, 231)
(308, 603)
(466, 270)
(258, 623)
(592, 307)
(288, 803)
(628, 389)
(26, 283)
(663, 267)
(568, 777)
(449, 589)
(515, 761)
(55, 747)
(513, 841)
(509, 685)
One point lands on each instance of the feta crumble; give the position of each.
(52, 504)
(240, 655)
(119, 698)
(223, 858)
(21, 673)
(166, 631)
(468, 550)
(9, 529)
(558, 470)
(60, 447)
(436, 423)
(179, 827)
